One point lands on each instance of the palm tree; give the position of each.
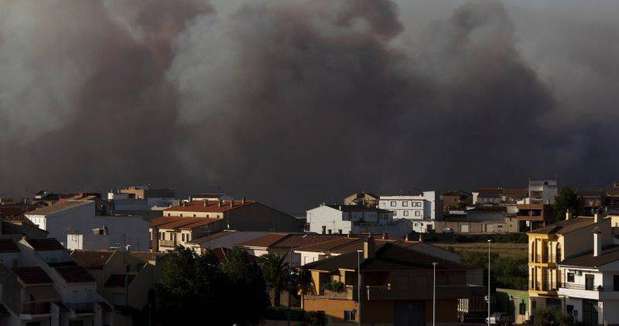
(275, 271)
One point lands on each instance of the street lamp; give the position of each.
(434, 294)
(489, 241)
(359, 252)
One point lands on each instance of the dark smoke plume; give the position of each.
(299, 101)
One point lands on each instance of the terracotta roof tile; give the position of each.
(59, 206)
(210, 206)
(91, 259)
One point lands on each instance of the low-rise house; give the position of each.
(284, 244)
(345, 219)
(550, 246)
(590, 285)
(533, 216)
(240, 215)
(488, 196)
(125, 279)
(421, 209)
(76, 225)
(167, 232)
(42, 285)
(227, 239)
(455, 200)
(395, 286)
(542, 192)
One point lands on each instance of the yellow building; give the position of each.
(550, 245)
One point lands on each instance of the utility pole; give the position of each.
(434, 295)
(489, 241)
(359, 252)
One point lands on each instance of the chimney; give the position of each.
(231, 202)
(568, 215)
(204, 202)
(219, 202)
(597, 242)
(243, 200)
(407, 238)
(385, 236)
(420, 237)
(368, 248)
(596, 217)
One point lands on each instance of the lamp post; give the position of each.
(434, 294)
(489, 241)
(359, 252)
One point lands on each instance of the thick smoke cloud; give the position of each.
(301, 101)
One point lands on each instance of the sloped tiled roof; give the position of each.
(266, 240)
(565, 226)
(609, 255)
(48, 244)
(59, 206)
(74, 274)
(91, 259)
(210, 206)
(32, 275)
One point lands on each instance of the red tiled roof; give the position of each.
(210, 206)
(265, 241)
(32, 275)
(74, 274)
(45, 244)
(119, 280)
(91, 259)
(298, 240)
(176, 222)
(8, 245)
(59, 206)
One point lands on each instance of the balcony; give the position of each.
(167, 243)
(36, 308)
(349, 293)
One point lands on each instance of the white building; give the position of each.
(42, 285)
(75, 225)
(590, 286)
(345, 219)
(422, 210)
(542, 192)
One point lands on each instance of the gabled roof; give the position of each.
(91, 259)
(48, 244)
(228, 239)
(178, 222)
(565, 226)
(610, 255)
(72, 273)
(32, 275)
(206, 206)
(59, 206)
(389, 257)
(266, 241)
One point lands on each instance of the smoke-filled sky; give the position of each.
(296, 102)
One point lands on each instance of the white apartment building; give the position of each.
(590, 287)
(542, 192)
(422, 210)
(75, 225)
(345, 219)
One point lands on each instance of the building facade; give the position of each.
(422, 210)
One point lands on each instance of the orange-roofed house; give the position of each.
(240, 215)
(167, 232)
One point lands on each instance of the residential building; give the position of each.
(240, 215)
(145, 192)
(345, 219)
(125, 279)
(455, 200)
(362, 198)
(477, 220)
(76, 225)
(543, 192)
(592, 201)
(42, 285)
(551, 245)
(284, 244)
(422, 210)
(396, 287)
(226, 239)
(590, 285)
(533, 216)
(488, 196)
(167, 232)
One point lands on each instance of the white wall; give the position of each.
(328, 217)
(424, 206)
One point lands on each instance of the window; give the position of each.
(324, 229)
(405, 203)
(417, 213)
(183, 236)
(570, 277)
(189, 237)
(395, 213)
(570, 309)
(615, 282)
(329, 231)
(393, 203)
(588, 281)
(349, 315)
(522, 308)
(339, 231)
(405, 213)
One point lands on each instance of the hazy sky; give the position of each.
(296, 102)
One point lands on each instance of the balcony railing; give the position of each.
(167, 243)
(348, 293)
(576, 286)
(36, 308)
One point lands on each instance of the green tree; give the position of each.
(189, 283)
(247, 287)
(566, 200)
(276, 273)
